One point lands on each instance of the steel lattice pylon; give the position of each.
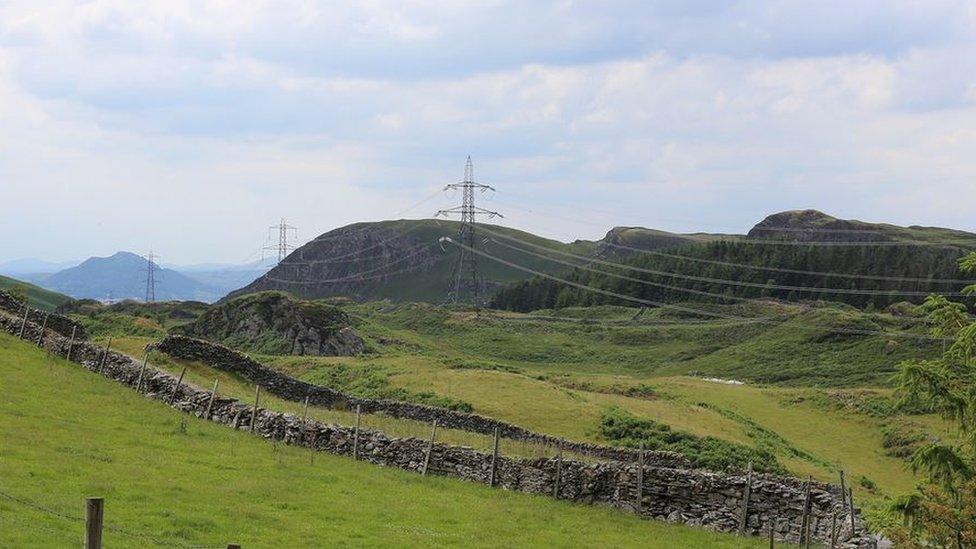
(465, 279)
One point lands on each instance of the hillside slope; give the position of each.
(400, 260)
(170, 479)
(38, 297)
(122, 276)
(801, 249)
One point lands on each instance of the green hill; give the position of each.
(400, 260)
(38, 297)
(173, 480)
(780, 258)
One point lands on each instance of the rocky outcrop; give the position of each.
(275, 323)
(694, 497)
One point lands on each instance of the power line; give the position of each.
(792, 271)
(662, 305)
(355, 276)
(465, 276)
(724, 281)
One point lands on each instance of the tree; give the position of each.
(943, 511)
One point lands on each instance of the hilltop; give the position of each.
(401, 260)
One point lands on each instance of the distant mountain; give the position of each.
(123, 276)
(401, 260)
(37, 297)
(30, 265)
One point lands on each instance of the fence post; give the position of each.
(257, 398)
(40, 335)
(172, 397)
(804, 530)
(23, 325)
(142, 371)
(559, 465)
(772, 529)
(305, 410)
(94, 512)
(843, 490)
(833, 529)
(71, 344)
(850, 493)
(430, 447)
(355, 434)
(640, 479)
(213, 394)
(108, 345)
(746, 492)
(494, 460)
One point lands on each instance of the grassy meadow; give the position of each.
(171, 480)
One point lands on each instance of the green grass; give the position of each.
(69, 434)
(38, 297)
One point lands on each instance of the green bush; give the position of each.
(623, 428)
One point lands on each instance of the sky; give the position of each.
(189, 127)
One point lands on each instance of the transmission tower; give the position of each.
(465, 278)
(150, 278)
(283, 230)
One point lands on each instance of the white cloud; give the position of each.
(190, 126)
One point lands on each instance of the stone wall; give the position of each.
(694, 497)
(58, 323)
(289, 388)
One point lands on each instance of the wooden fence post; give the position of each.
(772, 529)
(746, 492)
(142, 371)
(559, 465)
(40, 335)
(355, 434)
(804, 533)
(833, 529)
(213, 394)
(23, 324)
(843, 490)
(94, 512)
(850, 494)
(305, 410)
(257, 398)
(430, 447)
(101, 365)
(71, 344)
(640, 479)
(172, 397)
(494, 460)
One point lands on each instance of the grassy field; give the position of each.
(172, 480)
(803, 398)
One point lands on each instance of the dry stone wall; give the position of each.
(287, 387)
(58, 323)
(694, 497)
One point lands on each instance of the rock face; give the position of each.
(275, 323)
(816, 226)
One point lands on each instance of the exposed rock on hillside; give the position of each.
(275, 323)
